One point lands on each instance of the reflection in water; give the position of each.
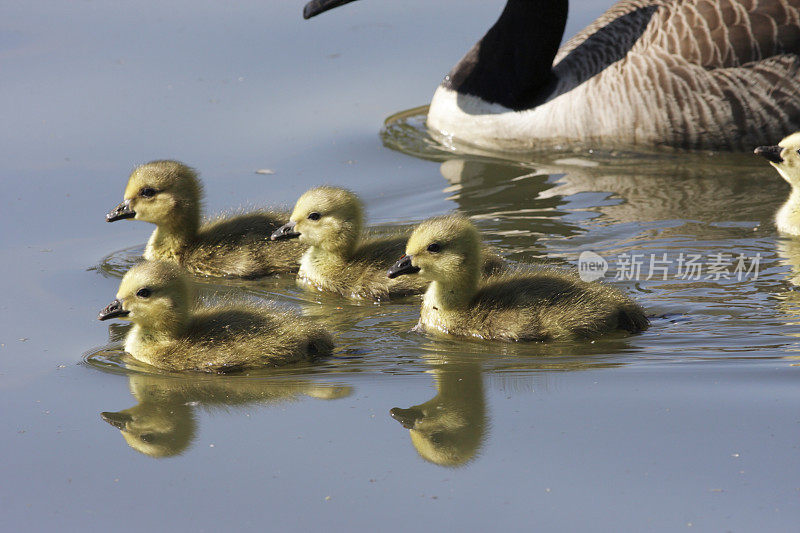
(789, 253)
(163, 422)
(625, 187)
(116, 264)
(449, 428)
(789, 299)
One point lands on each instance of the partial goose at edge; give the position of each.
(700, 74)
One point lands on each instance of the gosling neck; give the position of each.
(788, 217)
(457, 293)
(170, 239)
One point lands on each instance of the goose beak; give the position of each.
(285, 232)
(112, 310)
(118, 420)
(315, 7)
(123, 210)
(770, 153)
(403, 266)
(407, 417)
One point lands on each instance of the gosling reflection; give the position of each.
(164, 422)
(449, 429)
(789, 256)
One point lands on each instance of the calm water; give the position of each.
(693, 424)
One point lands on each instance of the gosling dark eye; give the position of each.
(144, 292)
(314, 216)
(434, 247)
(147, 192)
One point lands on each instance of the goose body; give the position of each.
(174, 332)
(785, 157)
(342, 257)
(169, 195)
(722, 74)
(516, 305)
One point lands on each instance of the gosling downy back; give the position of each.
(173, 331)
(519, 304)
(785, 157)
(169, 195)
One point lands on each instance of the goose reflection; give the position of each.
(689, 189)
(163, 423)
(449, 429)
(567, 194)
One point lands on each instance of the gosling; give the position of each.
(173, 332)
(340, 257)
(169, 195)
(521, 305)
(786, 160)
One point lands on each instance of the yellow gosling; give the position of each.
(786, 160)
(517, 305)
(169, 195)
(343, 258)
(172, 331)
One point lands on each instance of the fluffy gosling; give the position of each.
(341, 258)
(171, 331)
(169, 195)
(521, 305)
(785, 157)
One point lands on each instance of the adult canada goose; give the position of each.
(713, 74)
(169, 195)
(171, 331)
(786, 160)
(517, 305)
(342, 257)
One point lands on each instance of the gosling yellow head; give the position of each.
(785, 157)
(443, 249)
(331, 218)
(153, 294)
(165, 193)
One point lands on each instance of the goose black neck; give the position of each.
(512, 64)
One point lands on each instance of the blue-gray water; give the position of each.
(692, 424)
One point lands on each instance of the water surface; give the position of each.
(691, 424)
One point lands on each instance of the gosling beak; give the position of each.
(113, 310)
(118, 420)
(315, 7)
(403, 266)
(407, 417)
(285, 232)
(123, 210)
(770, 153)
